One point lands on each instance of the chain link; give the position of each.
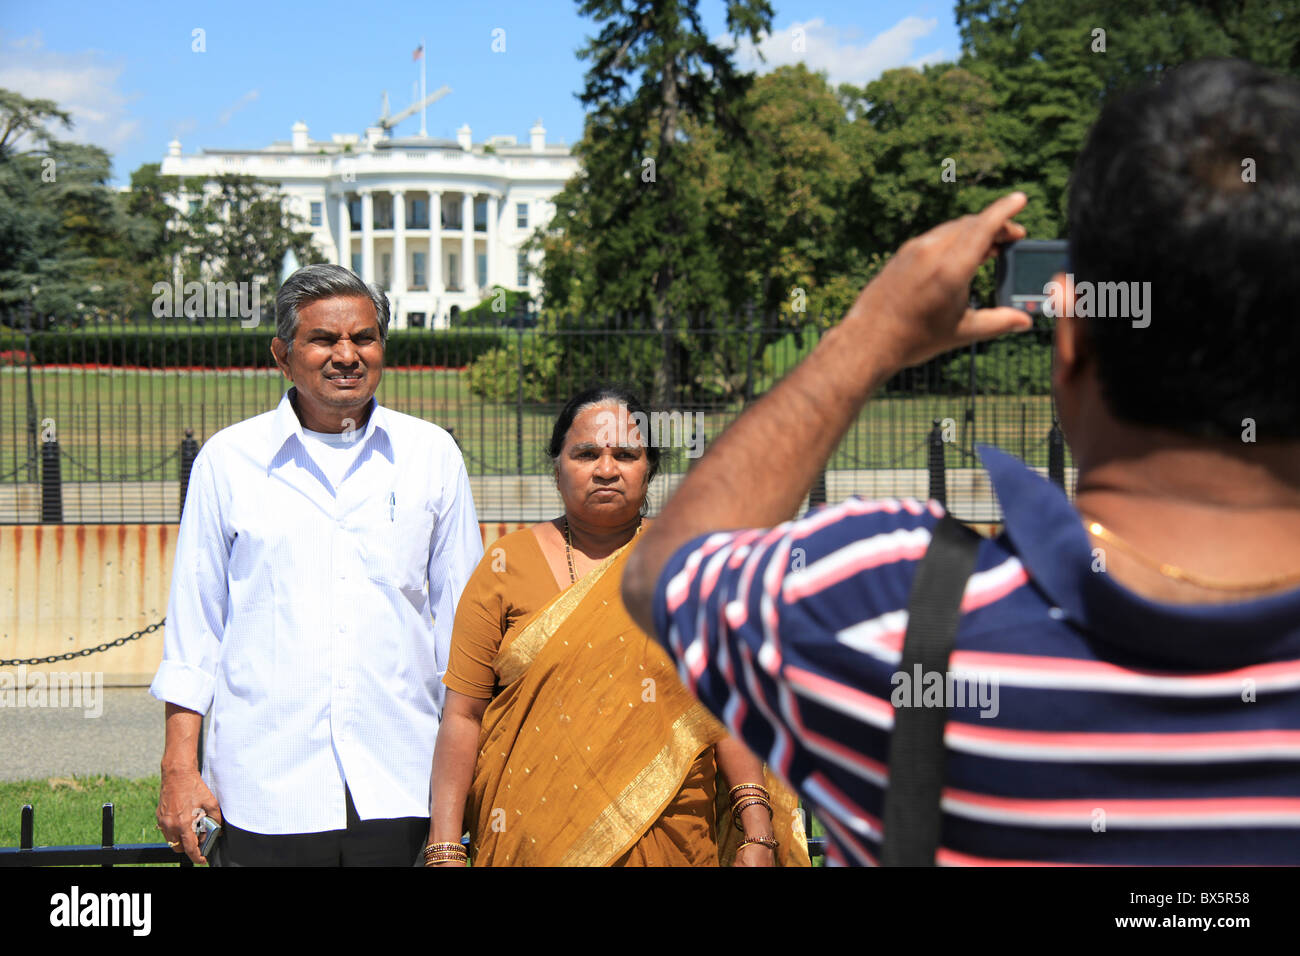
(85, 652)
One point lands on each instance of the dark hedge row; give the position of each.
(224, 348)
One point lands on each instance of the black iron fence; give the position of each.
(101, 423)
(109, 854)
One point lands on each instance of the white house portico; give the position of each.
(434, 223)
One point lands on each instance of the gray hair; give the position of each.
(324, 281)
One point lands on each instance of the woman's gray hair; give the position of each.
(324, 281)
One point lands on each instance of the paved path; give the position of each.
(125, 740)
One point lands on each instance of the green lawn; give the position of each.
(67, 810)
(128, 424)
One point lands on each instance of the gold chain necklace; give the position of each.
(568, 547)
(1182, 574)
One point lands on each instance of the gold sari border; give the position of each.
(512, 662)
(622, 823)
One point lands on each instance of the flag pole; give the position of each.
(424, 57)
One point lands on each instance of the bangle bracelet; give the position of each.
(460, 847)
(748, 786)
(758, 841)
(742, 805)
(446, 855)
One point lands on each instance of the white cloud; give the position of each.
(820, 46)
(84, 84)
(228, 113)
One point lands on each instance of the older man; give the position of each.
(322, 550)
(1142, 645)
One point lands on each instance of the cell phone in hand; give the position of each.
(207, 830)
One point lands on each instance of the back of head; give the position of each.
(1193, 185)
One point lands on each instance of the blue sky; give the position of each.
(129, 76)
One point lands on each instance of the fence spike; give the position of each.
(106, 829)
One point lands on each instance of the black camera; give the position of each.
(1024, 270)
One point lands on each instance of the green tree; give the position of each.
(62, 229)
(632, 229)
(1051, 64)
(241, 232)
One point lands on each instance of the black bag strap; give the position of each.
(916, 752)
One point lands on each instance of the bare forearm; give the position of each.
(453, 770)
(760, 470)
(738, 765)
(181, 739)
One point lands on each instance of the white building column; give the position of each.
(345, 233)
(367, 235)
(399, 241)
(435, 247)
(492, 277)
(467, 244)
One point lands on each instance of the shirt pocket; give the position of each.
(395, 546)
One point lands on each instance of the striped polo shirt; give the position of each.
(1087, 725)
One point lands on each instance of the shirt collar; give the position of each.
(286, 427)
(1047, 535)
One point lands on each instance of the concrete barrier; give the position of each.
(73, 586)
(70, 587)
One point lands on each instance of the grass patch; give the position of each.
(67, 810)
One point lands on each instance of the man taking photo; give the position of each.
(1148, 703)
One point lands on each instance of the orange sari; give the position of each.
(594, 754)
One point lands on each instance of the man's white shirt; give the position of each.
(314, 617)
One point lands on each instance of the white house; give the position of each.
(434, 223)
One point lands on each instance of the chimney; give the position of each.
(537, 137)
(463, 137)
(300, 137)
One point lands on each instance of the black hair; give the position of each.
(599, 395)
(1193, 185)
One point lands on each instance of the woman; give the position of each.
(566, 738)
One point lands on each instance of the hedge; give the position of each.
(229, 347)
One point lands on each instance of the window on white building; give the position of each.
(482, 270)
(453, 272)
(354, 214)
(522, 266)
(480, 215)
(417, 270)
(315, 213)
(356, 263)
(387, 270)
(419, 212)
(521, 215)
(194, 206)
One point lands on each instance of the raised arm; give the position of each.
(760, 470)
